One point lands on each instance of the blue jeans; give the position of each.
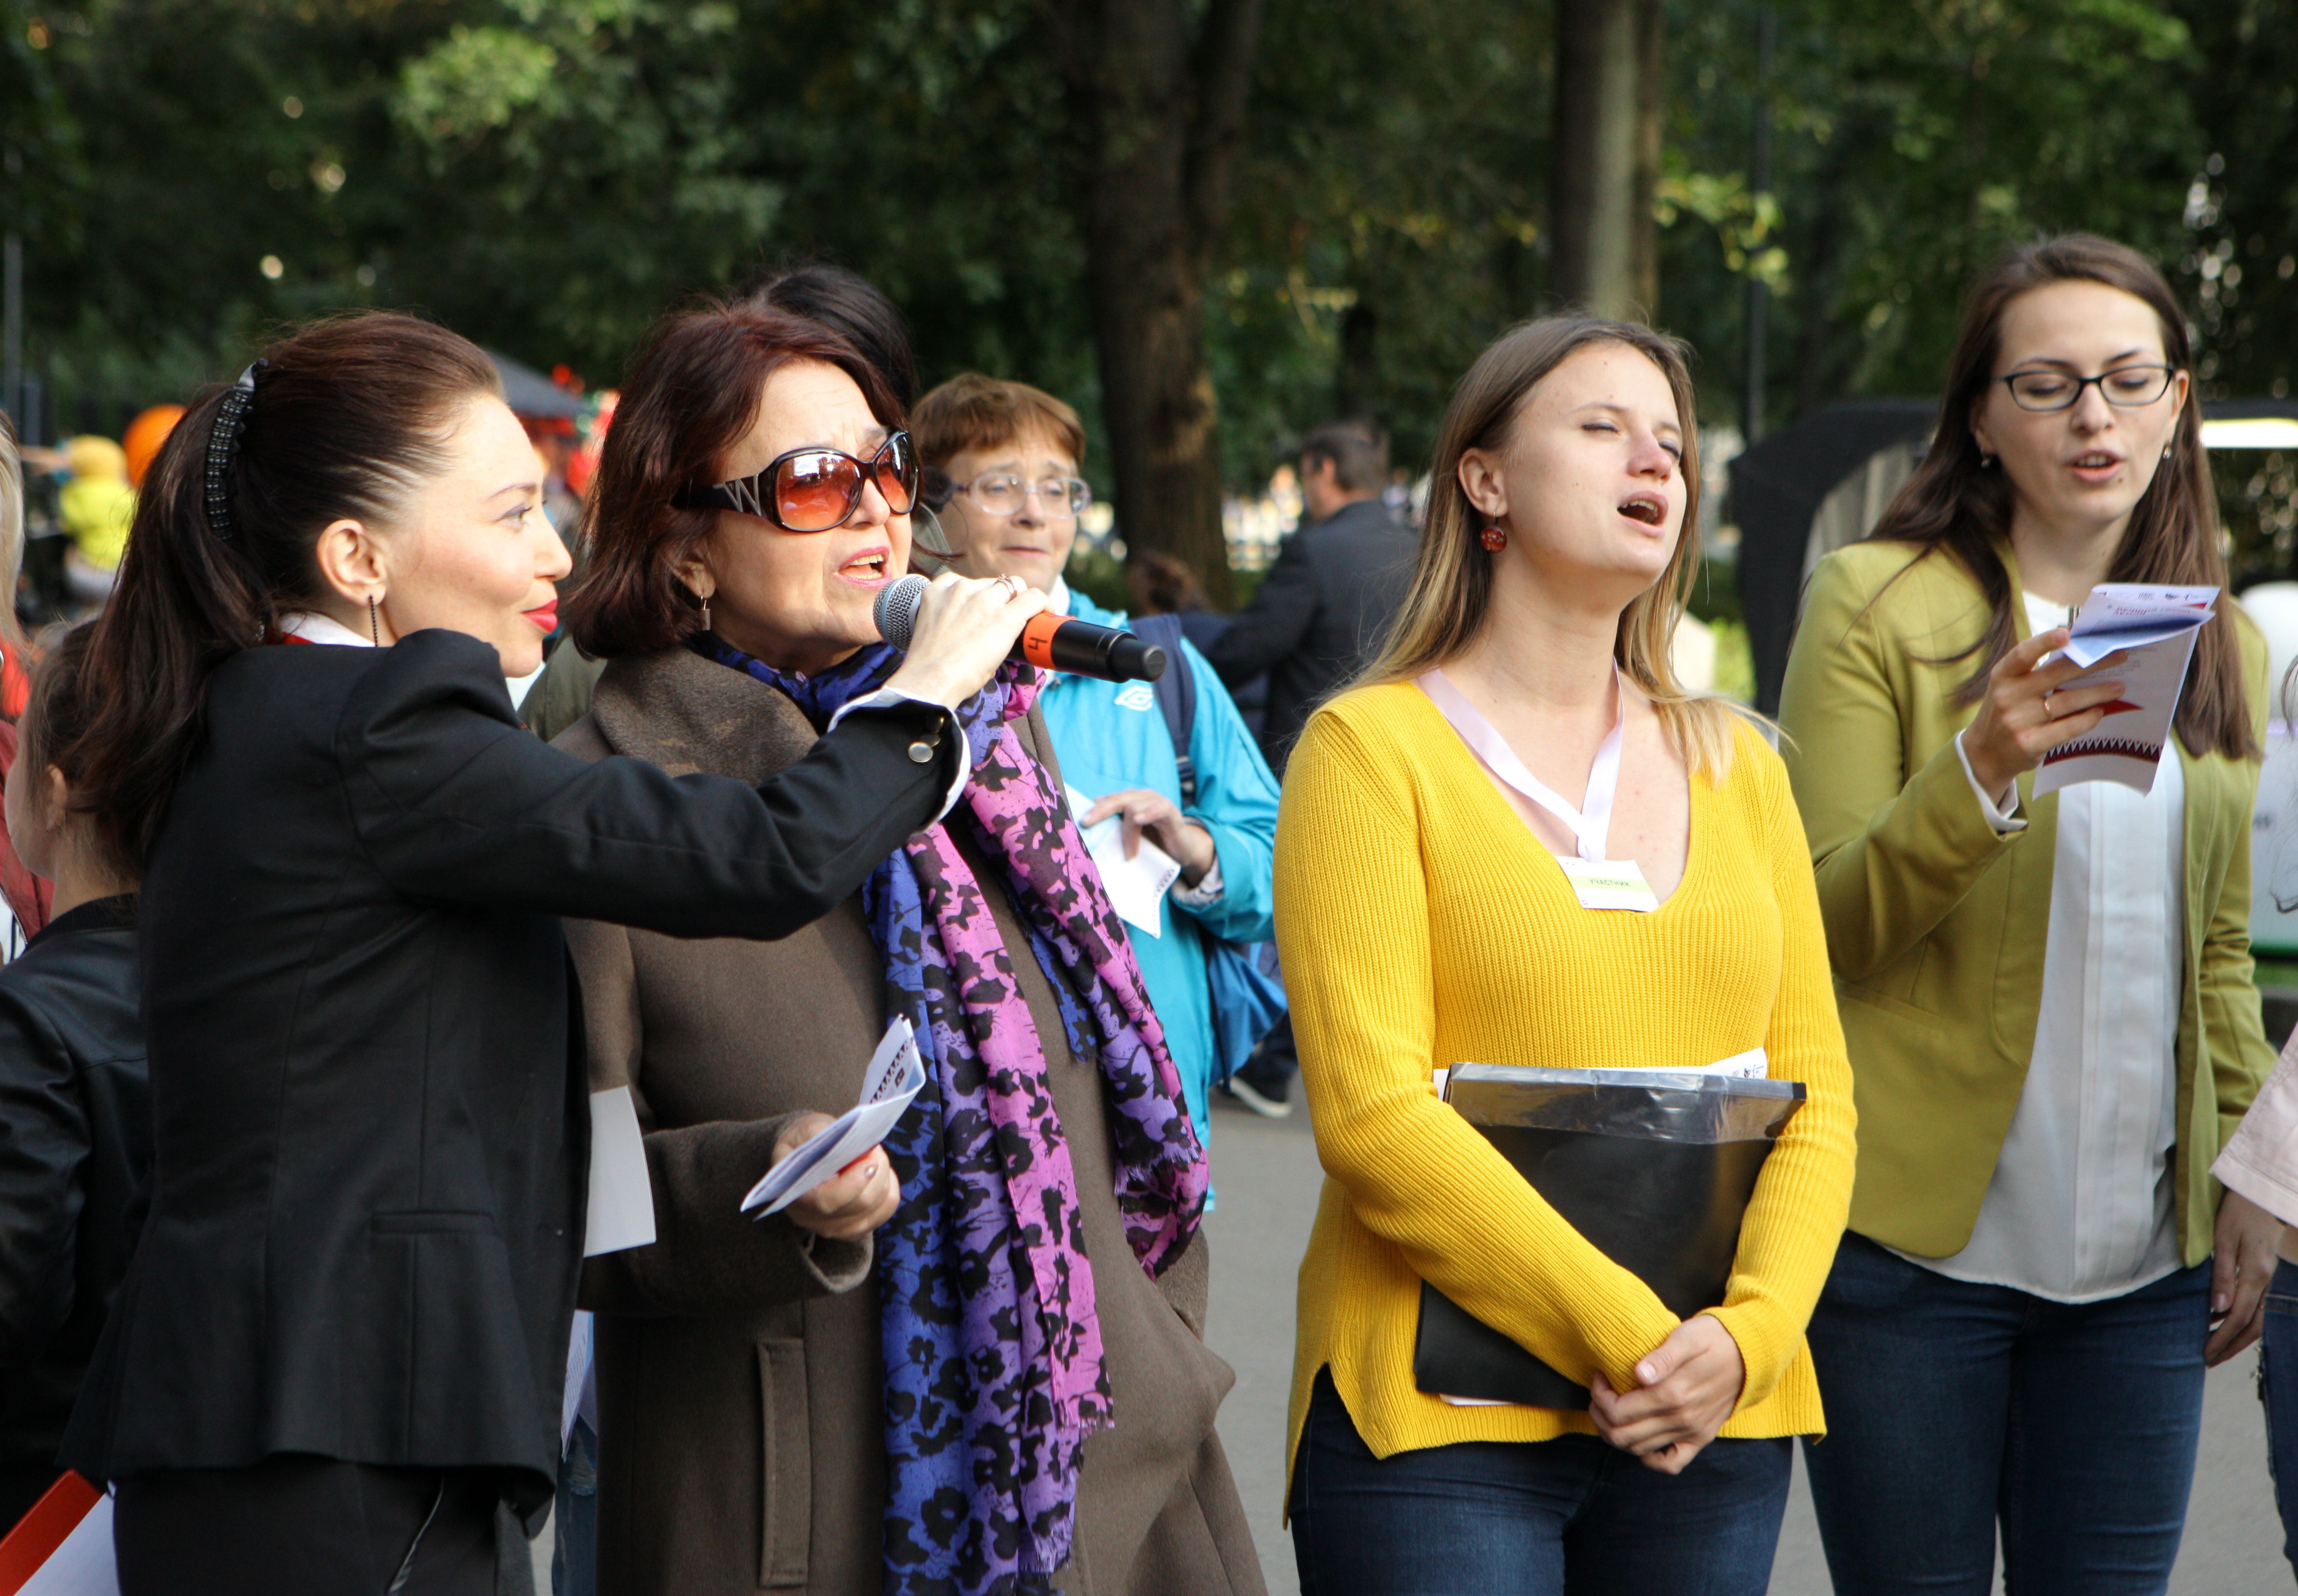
(575, 1560)
(1571, 1517)
(1951, 1407)
(2277, 1388)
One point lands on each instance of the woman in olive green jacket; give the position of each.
(2048, 1001)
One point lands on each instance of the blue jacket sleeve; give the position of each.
(1236, 802)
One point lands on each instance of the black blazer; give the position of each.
(75, 1143)
(371, 1109)
(1318, 616)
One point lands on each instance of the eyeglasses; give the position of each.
(2126, 387)
(814, 489)
(1003, 493)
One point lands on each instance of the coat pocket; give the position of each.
(786, 1512)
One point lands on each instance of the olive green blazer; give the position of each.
(1936, 924)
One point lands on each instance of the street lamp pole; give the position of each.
(11, 307)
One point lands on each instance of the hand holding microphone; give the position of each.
(906, 615)
(958, 631)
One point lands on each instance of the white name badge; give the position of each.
(1609, 884)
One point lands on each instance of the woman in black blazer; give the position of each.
(336, 1362)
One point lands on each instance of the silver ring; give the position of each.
(1013, 588)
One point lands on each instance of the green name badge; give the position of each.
(1609, 884)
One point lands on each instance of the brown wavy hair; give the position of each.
(690, 396)
(1451, 591)
(1955, 506)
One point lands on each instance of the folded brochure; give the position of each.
(895, 1077)
(2156, 628)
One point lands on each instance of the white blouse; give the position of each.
(2079, 1207)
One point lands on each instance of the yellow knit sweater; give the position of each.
(1422, 924)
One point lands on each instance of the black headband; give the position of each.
(223, 441)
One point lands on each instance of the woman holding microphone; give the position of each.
(1521, 723)
(2048, 1000)
(1008, 1381)
(334, 1365)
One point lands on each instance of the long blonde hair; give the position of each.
(1452, 589)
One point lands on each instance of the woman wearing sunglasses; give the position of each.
(1004, 1380)
(335, 1363)
(2047, 1000)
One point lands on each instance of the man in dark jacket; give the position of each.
(75, 1108)
(1319, 617)
(1324, 606)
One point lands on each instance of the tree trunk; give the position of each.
(1156, 109)
(1643, 229)
(1356, 381)
(1605, 157)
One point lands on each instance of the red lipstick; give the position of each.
(545, 617)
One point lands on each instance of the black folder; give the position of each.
(1655, 1168)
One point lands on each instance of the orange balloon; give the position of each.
(145, 436)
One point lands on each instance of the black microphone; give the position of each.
(1050, 641)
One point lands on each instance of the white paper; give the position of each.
(1755, 1064)
(1138, 886)
(84, 1564)
(2157, 626)
(895, 1077)
(621, 1196)
(577, 1392)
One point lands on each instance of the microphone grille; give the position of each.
(896, 608)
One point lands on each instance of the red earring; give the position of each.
(1495, 539)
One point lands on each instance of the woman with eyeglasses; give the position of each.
(1009, 455)
(2048, 1000)
(335, 1364)
(991, 1375)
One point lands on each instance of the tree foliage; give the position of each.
(548, 175)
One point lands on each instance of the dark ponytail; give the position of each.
(346, 420)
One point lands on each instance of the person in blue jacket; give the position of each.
(1008, 456)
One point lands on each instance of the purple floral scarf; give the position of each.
(994, 1374)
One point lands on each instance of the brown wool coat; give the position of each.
(738, 1377)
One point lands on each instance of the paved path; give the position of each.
(1266, 1175)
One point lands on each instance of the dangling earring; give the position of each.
(1494, 538)
(705, 614)
(374, 622)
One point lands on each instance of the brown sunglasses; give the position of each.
(814, 489)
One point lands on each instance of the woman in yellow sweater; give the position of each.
(1428, 915)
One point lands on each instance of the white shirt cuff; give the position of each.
(888, 698)
(2004, 824)
(1207, 892)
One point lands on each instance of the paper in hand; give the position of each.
(1136, 887)
(895, 1077)
(621, 1193)
(2156, 627)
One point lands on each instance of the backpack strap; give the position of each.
(1177, 694)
